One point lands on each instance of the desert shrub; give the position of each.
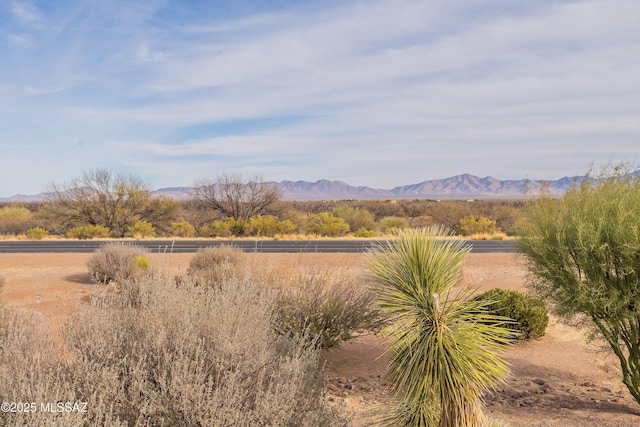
(286, 227)
(117, 262)
(363, 232)
(15, 219)
(529, 313)
(214, 229)
(390, 224)
(327, 308)
(184, 356)
(215, 264)
(298, 219)
(182, 229)
(141, 262)
(381, 208)
(37, 233)
(32, 370)
(269, 226)
(446, 213)
(583, 258)
(325, 224)
(88, 232)
(142, 229)
(227, 228)
(471, 225)
(263, 225)
(506, 214)
(356, 217)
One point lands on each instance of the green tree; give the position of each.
(445, 346)
(584, 253)
(102, 198)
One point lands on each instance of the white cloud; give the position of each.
(415, 89)
(20, 40)
(26, 12)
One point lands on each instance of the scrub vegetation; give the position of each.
(159, 351)
(102, 204)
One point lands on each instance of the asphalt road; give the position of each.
(272, 246)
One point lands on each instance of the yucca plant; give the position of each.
(445, 346)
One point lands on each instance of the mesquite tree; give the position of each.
(113, 200)
(584, 256)
(233, 197)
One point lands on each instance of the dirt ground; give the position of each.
(558, 380)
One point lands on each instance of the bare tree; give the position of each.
(232, 196)
(101, 197)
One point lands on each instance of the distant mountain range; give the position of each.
(456, 187)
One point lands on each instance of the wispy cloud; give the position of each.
(383, 93)
(26, 12)
(20, 40)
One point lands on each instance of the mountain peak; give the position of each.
(458, 186)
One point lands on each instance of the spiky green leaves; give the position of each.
(445, 346)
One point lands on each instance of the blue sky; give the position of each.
(378, 93)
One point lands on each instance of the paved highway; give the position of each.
(291, 246)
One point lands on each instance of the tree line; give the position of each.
(102, 203)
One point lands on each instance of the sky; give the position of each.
(379, 93)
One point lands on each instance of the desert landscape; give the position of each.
(558, 380)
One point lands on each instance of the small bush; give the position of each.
(37, 233)
(182, 229)
(15, 219)
(226, 228)
(529, 313)
(215, 264)
(363, 232)
(326, 309)
(269, 226)
(88, 232)
(325, 224)
(141, 230)
(117, 262)
(471, 225)
(357, 218)
(141, 262)
(391, 224)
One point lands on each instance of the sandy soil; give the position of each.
(558, 380)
